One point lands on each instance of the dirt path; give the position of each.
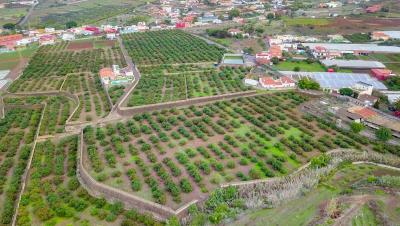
(356, 203)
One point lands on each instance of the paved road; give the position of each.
(136, 73)
(23, 21)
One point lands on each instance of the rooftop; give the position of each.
(355, 47)
(337, 80)
(358, 64)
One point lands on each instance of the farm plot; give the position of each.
(81, 45)
(93, 102)
(54, 195)
(172, 157)
(59, 63)
(71, 71)
(170, 83)
(17, 132)
(56, 114)
(169, 47)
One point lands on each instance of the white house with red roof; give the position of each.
(47, 39)
(283, 82)
(116, 76)
(263, 58)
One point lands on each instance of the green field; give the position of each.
(11, 15)
(358, 37)
(57, 13)
(304, 66)
(306, 21)
(10, 60)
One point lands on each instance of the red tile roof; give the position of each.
(106, 73)
(286, 79)
(275, 51)
(8, 38)
(365, 112)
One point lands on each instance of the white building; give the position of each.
(363, 88)
(68, 36)
(111, 36)
(250, 82)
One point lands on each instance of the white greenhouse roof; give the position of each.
(336, 80)
(355, 47)
(3, 73)
(359, 64)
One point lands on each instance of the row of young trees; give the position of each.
(169, 47)
(157, 85)
(158, 133)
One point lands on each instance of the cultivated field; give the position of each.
(57, 111)
(17, 133)
(170, 83)
(176, 66)
(72, 67)
(169, 47)
(55, 13)
(9, 61)
(54, 196)
(178, 155)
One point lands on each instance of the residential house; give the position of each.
(182, 24)
(129, 29)
(49, 30)
(234, 31)
(10, 41)
(275, 51)
(26, 41)
(116, 76)
(379, 35)
(283, 82)
(374, 8)
(47, 40)
(68, 36)
(111, 36)
(263, 58)
(385, 35)
(238, 20)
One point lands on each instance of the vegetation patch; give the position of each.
(169, 47)
(249, 138)
(170, 83)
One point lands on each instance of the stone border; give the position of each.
(27, 168)
(97, 189)
(127, 111)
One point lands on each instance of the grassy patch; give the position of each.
(364, 217)
(304, 66)
(358, 37)
(10, 60)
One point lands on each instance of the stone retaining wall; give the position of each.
(129, 200)
(127, 111)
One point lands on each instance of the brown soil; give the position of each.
(80, 45)
(108, 43)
